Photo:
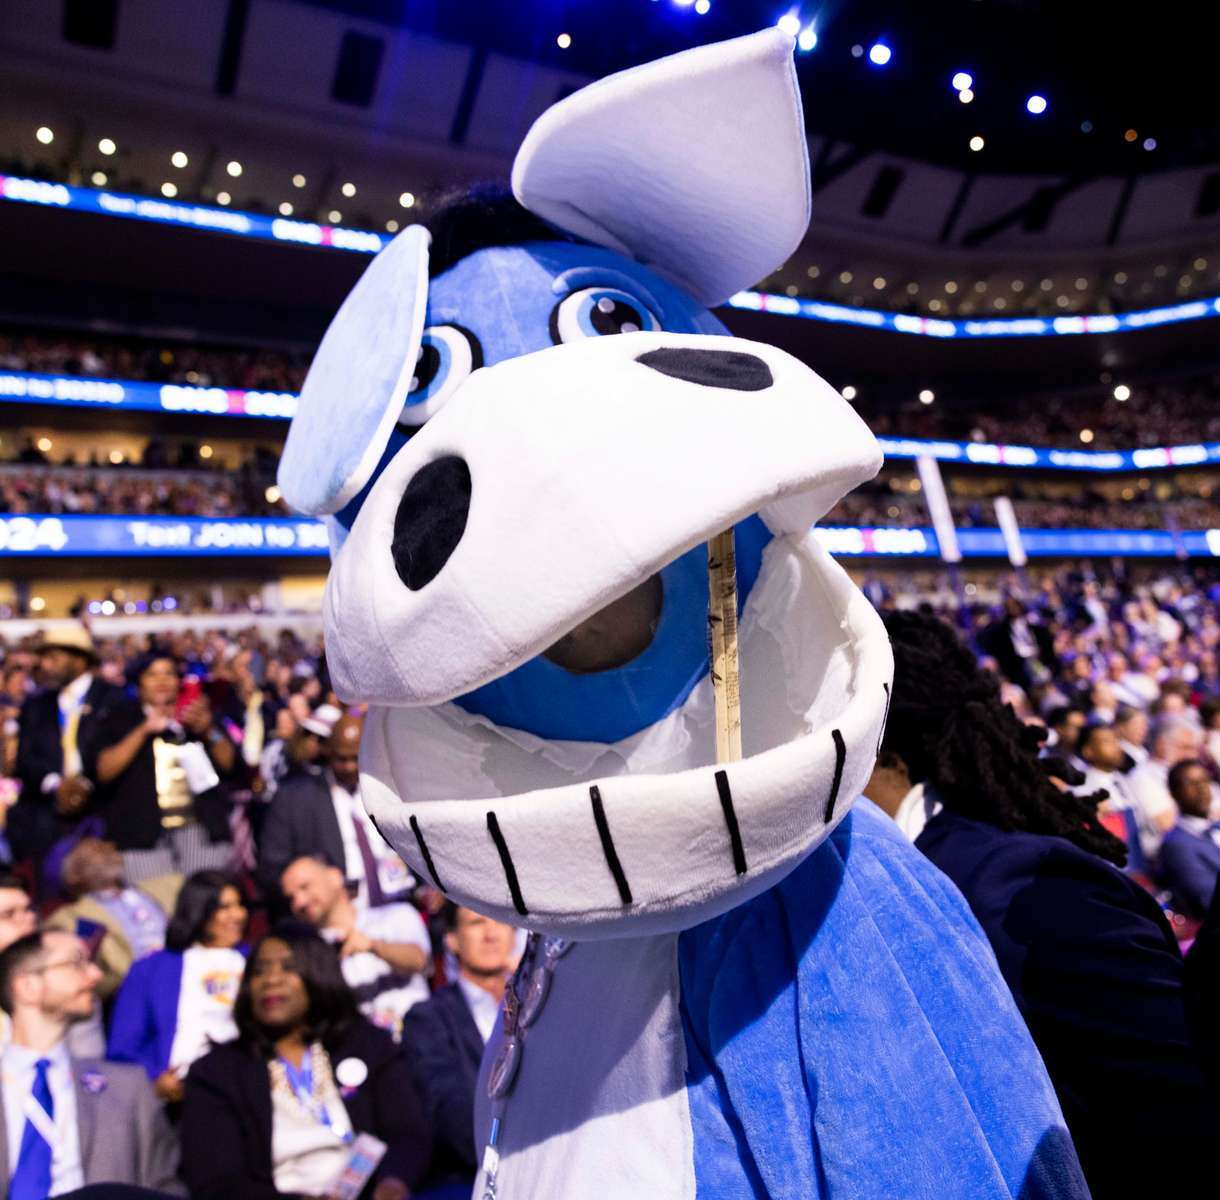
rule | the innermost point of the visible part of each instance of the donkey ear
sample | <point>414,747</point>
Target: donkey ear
<point>359,380</point>
<point>695,165</point>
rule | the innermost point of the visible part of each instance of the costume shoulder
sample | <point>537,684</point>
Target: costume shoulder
<point>864,954</point>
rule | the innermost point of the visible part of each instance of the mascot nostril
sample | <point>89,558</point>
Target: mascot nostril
<point>711,368</point>
<point>431,519</point>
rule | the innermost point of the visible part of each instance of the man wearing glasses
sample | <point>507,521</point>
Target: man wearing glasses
<point>66,1121</point>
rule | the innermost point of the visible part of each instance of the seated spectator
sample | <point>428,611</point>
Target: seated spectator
<point>385,951</point>
<point>159,764</point>
<point>323,812</point>
<point>1173,740</point>
<point>68,1122</point>
<point>275,1112</point>
<point>1190,853</point>
<point>445,1035</point>
<point>1066,724</point>
<point>1131,725</point>
<point>1102,753</point>
<point>1088,954</point>
<point>123,923</point>
<point>175,1004</point>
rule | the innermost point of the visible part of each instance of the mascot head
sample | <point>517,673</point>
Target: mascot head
<point>522,426</point>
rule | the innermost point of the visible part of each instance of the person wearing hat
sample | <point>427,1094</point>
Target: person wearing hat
<point>322,813</point>
<point>53,725</point>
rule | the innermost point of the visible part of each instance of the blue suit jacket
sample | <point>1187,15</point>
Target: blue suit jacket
<point>1190,865</point>
<point>1096,973</point>
<point>145,1015</point>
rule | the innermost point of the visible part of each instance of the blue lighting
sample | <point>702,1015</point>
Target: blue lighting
<point>1036,104</point>
<point>808,39</point>
<point>790,23</point>
<point>963,81</point>
<point>703,7</point>
<point>879,54</point>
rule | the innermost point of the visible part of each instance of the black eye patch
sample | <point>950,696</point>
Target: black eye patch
<point>732,369</point>
<point>431,519</point>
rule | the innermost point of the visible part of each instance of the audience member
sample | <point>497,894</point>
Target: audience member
<point>276,1112</point>
<point>1099,748</point>
<point>159,763</point>
<point>1131,725</point>
<point>178,1002</point>
<point>385,951</point>
<point>1090,959</point>
<point>122,923</point>
<point>55,725</point>
<point>68,1122</point>
<point>1173,740</point>
<point>1190,853</point>
<point>444,1039</point>
<point>323,812</point>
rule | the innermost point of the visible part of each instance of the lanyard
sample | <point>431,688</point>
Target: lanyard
<point>301,1081</point>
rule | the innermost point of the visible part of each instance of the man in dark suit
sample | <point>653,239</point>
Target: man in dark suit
<point>67,1122</point>
<point>1190,853</point>
<point>54,724</point>
<point>444,1039</point>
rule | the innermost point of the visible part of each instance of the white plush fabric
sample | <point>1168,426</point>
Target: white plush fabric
<point>815,659</point>
<point>590,471</point>
<point>345,414</point>
<point>696,164</point>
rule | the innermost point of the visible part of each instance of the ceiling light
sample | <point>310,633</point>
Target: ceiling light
<point>912,289</point>
<point>849,392</point>
<point>334,216</point>
<point>391,226</point>
<point>1200,264</point>
<point>976,143</point>
<point>563,41</point>
<point>935,305</point>
<point>107,146</point>
<point>285,209</point>
<point>790,23</point>
<point>814,271</point>
<point>348,189</point>
<point>298,181</point>
<point>1130,135</point>
<point>116,457</point>
<point>879,283</point>
<point>45,135</point>
<point>407,199</point>
<point>1149,143</point>
<point>927,396</point>
<point>205,451</point>
<point>1086,436</point>
<point>1036,105</point>
<point>791,289</point>
<point>879,54</point>
<point>98,178</point>
<point>1081,284</point>
<point>169,190</point>
<point>234,168</point>
<point>272,494</point>
<point>963,81</point>
<point>965,95</point>
<point>703,7</point>
<point>951,287</point>
<point>807,39</point>
<point>179,158</point>
<point>44,444</point>
<point>857,50</point>
<point>845,277</point>
<point>223,198</point>
<point>1122,392</point>
<point>1120,277</point>
<point>1018,285</point>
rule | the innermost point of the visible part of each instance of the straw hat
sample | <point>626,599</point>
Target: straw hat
<point>69,636</point>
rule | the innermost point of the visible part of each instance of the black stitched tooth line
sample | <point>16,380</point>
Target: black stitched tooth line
<point>603,832</point>
<point>730,819</point>
<point>885,716</point>
<point>840,759</point>
<point>423,849</point>
<point>506,860</point>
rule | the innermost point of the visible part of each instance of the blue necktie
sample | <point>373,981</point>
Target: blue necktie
<point>32,1179</point>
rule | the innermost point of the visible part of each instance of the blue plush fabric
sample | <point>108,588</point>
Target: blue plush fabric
<point>849,1036</point>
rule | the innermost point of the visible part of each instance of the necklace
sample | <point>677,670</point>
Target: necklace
<point>524,999</point>
<point>310,1085</point>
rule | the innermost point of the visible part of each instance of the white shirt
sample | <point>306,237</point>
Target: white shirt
<point>17,1079</point>
<point>915,810</point>
<point>1148,786</point>
<point>482,1004</point>
<point>383,996</point>
<point>393,874</point>
<point>210,978</point>
<point>1113,782</point>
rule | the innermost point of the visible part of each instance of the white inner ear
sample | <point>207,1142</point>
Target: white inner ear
<point>696,164</point>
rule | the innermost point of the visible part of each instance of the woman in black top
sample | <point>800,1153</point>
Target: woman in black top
<point>159,763</point>
<point>278,1111</point>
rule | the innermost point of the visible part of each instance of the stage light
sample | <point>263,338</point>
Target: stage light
<point>1130,135</point>
<point>912,289</point>
<point>107,146</point>
<point>116,457</point>
<point>965,95</point>
<point>682,3</point>
<point>1086,436</point>
<point>879,283</point>
<point>879,54</point>
<point>348,189</point>
<point>285,209</point>
<point>857,50</point>
<point>391,226</point>
<point>407,199</point>
<point>792,290</point>
<point>1086,126</point>
<point>272,494</point>
<point>179,158</point>
<point>98,178</point>
<point>205,451</point>
<point>169,190</point>
<point>223,198</point>
<point>1120,277</point>
<point>1036,105</point>
<point>107,608</point>
<point>1122,392</point>
<point>927,396</point>
<point>45,135</point>
<point>1200,264</point>
<point>703,7</point>
<point>298,181</point>
<point>44,444</point>
<point>563,41</point>
<point>814,271</point>
<point>234,168</point>
<point>37,604</point>
<point>1149,143</point>
<point>963,81</point>
<point>790,23</point>
<point>849,392</point>
<point>1081,284</point>
<point>935,305</point>
<point>845,277</point>
<point>334,216</point>
<point>976,143</point>
<point>808,39</point>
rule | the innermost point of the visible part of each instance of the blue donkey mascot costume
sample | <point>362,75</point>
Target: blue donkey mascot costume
<point>522,426</point>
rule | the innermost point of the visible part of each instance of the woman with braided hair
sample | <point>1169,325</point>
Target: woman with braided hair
<point>1089,957</point>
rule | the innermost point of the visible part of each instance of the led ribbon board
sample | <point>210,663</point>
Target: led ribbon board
<point>78,536</point>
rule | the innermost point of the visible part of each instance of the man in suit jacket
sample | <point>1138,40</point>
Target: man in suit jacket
<point>1190,853</point>
<point>444,1039</point>
<point>67,1122</point>
<point>53,725</point>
